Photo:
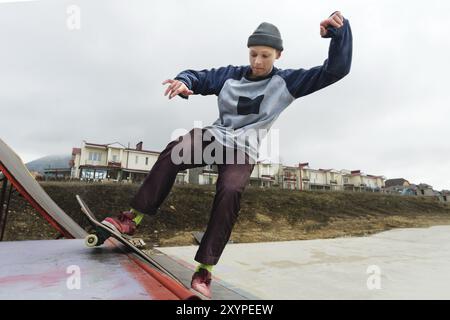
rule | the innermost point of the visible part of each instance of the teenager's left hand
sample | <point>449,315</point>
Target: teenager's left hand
<point>335,20</point>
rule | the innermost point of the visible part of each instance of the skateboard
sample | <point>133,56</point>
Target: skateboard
<point>103,232</point>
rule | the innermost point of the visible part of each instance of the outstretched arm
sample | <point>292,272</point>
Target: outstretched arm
<point>302,82</point>
<point>204,82</point>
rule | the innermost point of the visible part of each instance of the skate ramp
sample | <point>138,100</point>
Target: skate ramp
<point>16,172</point>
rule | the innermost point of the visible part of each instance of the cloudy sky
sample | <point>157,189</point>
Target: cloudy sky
<point>102,82</point>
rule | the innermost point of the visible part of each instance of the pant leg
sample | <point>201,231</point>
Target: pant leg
<point>159,181</point>
<point>231,183</point>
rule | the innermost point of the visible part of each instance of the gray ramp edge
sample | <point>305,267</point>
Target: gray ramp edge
<point>12,162</point>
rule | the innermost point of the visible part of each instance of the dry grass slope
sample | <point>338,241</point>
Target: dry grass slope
<point>266,214</point>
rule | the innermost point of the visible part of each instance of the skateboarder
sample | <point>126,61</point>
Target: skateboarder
<point>250,98</point>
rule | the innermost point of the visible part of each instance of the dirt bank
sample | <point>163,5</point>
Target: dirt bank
<point>266,214</point>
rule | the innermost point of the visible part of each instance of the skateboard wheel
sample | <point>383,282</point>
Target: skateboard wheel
<point>91,240</point>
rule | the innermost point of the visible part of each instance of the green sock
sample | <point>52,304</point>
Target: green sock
<point>208,267</point>
<point>137,216</point>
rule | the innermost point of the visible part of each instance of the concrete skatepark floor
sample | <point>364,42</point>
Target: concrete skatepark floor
<point>396,264</point>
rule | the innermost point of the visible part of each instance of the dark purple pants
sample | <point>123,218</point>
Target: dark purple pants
<point>230,185</point>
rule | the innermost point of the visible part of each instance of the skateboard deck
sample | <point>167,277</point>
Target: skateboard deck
<point>103,232</point>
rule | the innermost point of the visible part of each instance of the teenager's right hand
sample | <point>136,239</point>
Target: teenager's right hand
<point>175,88</point>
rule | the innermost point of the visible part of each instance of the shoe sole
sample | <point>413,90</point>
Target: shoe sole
<point>111,226</point>
<point>201,295</point>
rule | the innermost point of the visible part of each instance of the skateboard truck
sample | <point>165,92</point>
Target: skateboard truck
<point>96,239</point>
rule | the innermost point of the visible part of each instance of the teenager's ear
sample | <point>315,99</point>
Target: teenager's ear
<point>278,54</point>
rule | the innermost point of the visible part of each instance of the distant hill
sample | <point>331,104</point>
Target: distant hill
<point>55,161</point>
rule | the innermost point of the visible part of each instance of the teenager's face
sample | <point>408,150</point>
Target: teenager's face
<point>262,59</point>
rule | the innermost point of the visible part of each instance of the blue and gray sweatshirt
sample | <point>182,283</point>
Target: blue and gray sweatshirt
<point>248,107</point>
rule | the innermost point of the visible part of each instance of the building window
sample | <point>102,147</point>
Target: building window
<point>114,158</point>
<point>136,161</point>
<point>94,156</point>
<point>88,174</point>
<point>146,161</point>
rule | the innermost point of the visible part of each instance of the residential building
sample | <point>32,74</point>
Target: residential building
<point>400,186</point>
<point>355,180</point>
<point>57,174</point>
<point>266,174</point>
<point>114,162</point>
<point>425,190</point>
<point>305,178</point>
<point>444,196</point>
<point>399,182</point>
<point>204,175</point>
<point>290,178</point>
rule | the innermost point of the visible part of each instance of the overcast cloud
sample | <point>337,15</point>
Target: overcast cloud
<point>102,83</point>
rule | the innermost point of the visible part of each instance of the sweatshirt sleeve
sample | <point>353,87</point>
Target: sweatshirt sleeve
<point>207,82</point>
<point>301,82</point>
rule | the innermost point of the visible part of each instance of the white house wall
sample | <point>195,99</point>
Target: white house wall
<point>318,177</point>
<point>115,152</point>
<point>85,156</point>
<point>255,172</point>
<point>370,182</point>
<point>355,180</point>
<point>77,165</point>
<point>141,163</point>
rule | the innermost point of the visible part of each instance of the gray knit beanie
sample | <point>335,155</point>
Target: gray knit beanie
<point>266,35</point>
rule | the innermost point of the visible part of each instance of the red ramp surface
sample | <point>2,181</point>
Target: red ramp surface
<point>42,270</point>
